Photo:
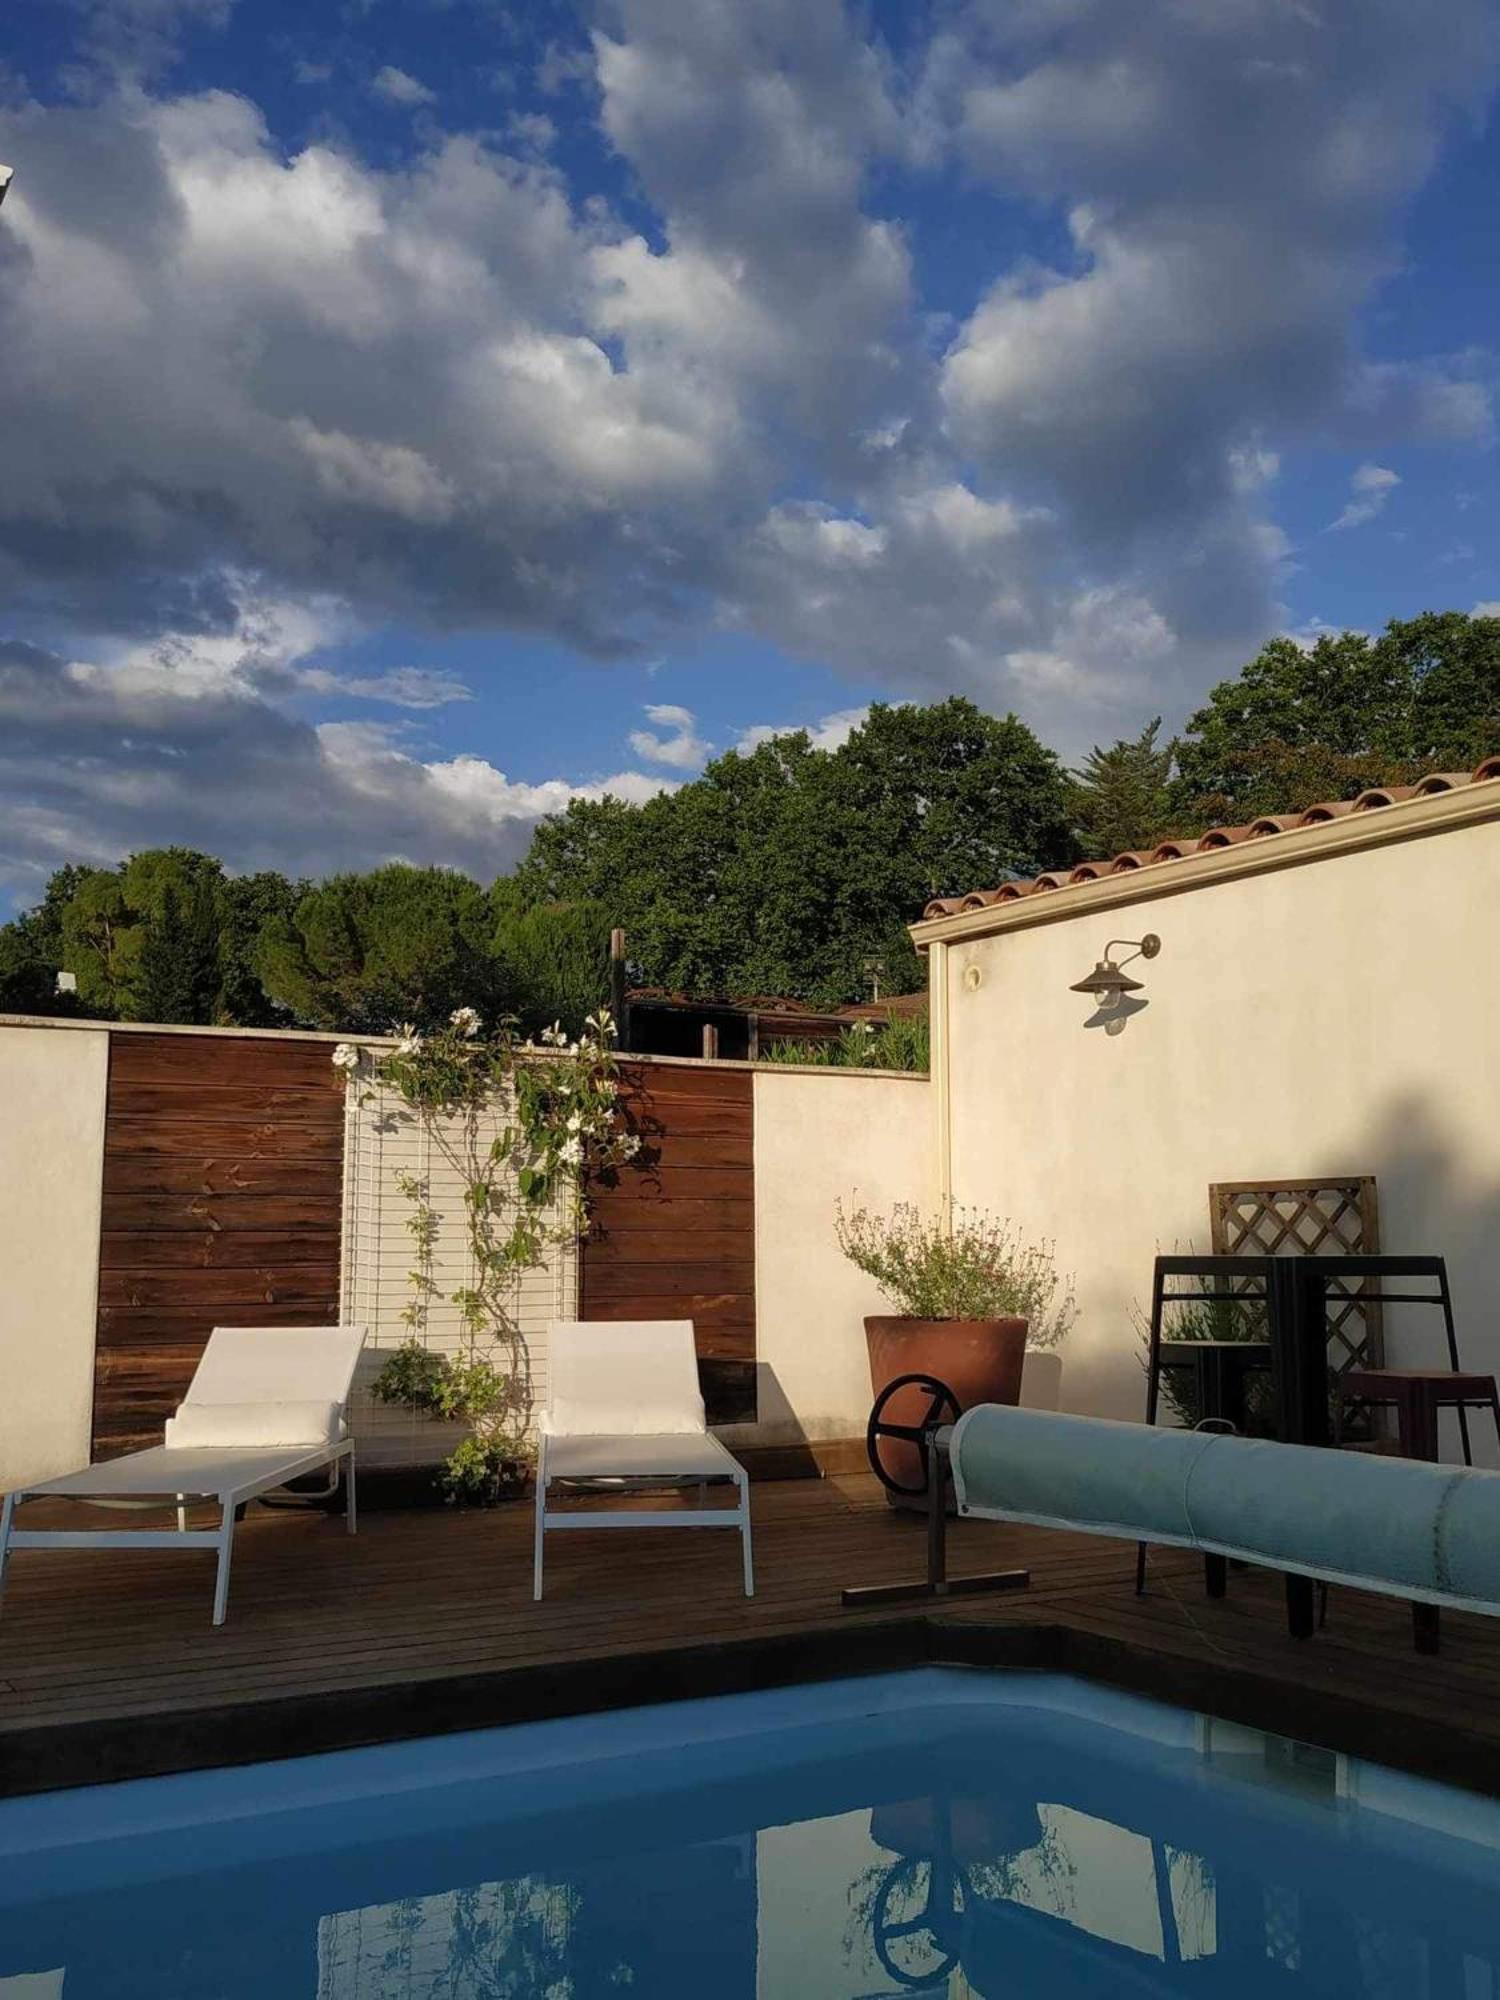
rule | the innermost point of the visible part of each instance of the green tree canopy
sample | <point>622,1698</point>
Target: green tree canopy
<point>1299,724</point>
<point>789,869</point>
<point>1120,798</point>
<point>553,957</point>
<point>361,952</point>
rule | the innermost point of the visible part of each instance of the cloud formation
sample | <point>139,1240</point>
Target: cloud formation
<point>1369,489</point>
<point>461,389</point>
<point>185,742</point>
<point>682,748</point>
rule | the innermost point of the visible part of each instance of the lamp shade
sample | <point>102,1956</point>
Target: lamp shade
<point>1107,981</point>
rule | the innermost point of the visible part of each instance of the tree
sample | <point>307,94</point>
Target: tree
<point>176,977</point>
<point>553,957</point>
<point>1120,798</point>
<point>790,869</point>
<point>248,904</point>
<point>1299,724</point>
<point>362,952</point>
<point>31,951</point>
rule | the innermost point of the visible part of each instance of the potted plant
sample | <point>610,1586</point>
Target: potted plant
<point>971,1296</point>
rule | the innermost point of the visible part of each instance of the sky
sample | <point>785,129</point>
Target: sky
<point>417,413</point>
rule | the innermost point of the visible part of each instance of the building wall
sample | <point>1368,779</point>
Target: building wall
<point>1337,1016</point>
<point>820,1137</point>
<point>52,1089</point>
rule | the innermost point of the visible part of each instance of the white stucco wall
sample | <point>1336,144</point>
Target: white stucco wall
<point>819,1137</point>
<point>1336,1017</point>
<point>52,1086</point>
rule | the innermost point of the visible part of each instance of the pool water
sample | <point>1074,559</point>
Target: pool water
<point>1017,1837</point>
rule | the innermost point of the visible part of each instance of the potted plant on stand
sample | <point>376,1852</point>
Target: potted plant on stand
<point>971,1296</point>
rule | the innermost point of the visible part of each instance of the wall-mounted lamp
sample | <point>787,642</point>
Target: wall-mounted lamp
<point>1107,983</point>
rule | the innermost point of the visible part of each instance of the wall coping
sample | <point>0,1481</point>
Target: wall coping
<point>1412,819</point>
<point>327,1036</point>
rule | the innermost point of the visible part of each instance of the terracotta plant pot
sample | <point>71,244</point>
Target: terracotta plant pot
<point>980,1360</point>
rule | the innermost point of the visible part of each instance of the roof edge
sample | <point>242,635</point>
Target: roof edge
<point>1409,819</point>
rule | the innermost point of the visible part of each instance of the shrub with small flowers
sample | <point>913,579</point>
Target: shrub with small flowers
<point>523,1193</point>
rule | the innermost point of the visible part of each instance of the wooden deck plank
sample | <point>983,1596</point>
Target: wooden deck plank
<point>424,1621</point>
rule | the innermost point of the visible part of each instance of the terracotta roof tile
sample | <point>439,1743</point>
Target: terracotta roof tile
<point>1217,838</point>
<point>1325,810</point>
<point>1383,795</point>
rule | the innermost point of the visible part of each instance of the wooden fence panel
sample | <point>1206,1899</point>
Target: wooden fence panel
<point>223,1164</point>
<point>677,1239</point>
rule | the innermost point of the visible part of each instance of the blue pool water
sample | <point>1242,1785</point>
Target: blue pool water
<point>1016,1837</point>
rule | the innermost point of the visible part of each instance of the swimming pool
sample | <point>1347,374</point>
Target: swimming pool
<point>935,1832</point>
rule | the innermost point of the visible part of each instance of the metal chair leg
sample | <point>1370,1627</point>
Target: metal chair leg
<point>226,1550</point>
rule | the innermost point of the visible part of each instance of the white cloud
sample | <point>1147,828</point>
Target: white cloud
<point>1369,488</point>
<point>399,87</point>
<point>682,749</point>
<point>164,746</point>
<point>1487,607</point>
<point>829,732</point>
<point>463,389</point>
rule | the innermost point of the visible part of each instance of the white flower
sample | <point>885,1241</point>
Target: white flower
<point>867,1027</point>
<point>571,1152</point>
<point>575,1121</point>
<point>466,1020</point>
<point>630,1145</point>
<point>346,1056</point>
<point>410,1043</point>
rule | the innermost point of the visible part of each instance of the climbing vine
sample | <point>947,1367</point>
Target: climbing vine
<point>523,1193</point>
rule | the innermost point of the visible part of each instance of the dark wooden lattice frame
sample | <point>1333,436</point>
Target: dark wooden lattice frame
<point>1323,1218</point>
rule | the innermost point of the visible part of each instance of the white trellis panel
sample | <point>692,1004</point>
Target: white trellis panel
<point>383,1139</point>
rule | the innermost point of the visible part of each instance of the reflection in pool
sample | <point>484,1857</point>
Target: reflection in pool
<point>930,1833</point>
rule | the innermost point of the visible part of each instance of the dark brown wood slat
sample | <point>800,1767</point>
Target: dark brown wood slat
<point>154,1218</point>
<point>707,1239</point>
<point>242,1138</point>
<point>660,1082</point>
<point>267,1284</point>
<point>321,1102</point>
<point>165,1251</point>
<point>663,1151</point>
<point>721,1275</point>
<point>217,1173</point>
<point>615,1213</point>
<point>218,1059</point>
<point>662,1181</point>
<point>178,1325</point>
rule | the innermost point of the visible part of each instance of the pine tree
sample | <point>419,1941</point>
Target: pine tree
<point>1120,799</point>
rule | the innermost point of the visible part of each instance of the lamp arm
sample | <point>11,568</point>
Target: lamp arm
<point>1144,947</point>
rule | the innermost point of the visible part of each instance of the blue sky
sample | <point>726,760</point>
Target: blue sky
<point>421,411</point>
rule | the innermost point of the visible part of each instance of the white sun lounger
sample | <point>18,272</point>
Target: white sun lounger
<point>624,1406</point>
<point>267,1405</point>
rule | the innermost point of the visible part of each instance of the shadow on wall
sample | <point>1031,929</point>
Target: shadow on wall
<point>1439,1194</point>
<point>1115,1019</point>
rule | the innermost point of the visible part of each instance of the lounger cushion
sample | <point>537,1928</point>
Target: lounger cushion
<point>669,1456</point>
<point>623,1378</point>
<point>240,1426</point>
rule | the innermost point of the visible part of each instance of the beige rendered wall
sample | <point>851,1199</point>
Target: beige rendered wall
<point>1339,1017</point>
<point>52,1086</point>
<point>822,1136</point>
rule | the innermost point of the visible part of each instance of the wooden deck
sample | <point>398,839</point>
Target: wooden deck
<point>424,1623</point>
